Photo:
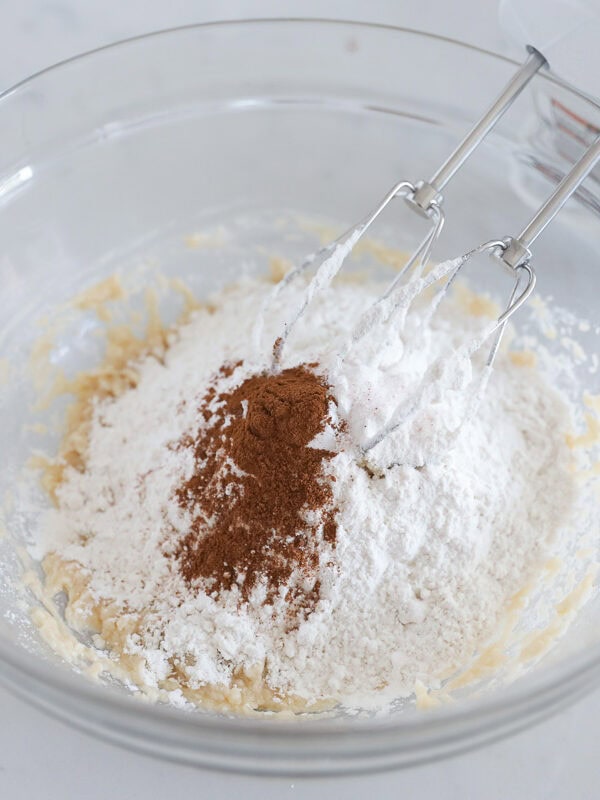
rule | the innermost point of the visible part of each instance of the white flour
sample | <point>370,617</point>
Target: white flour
<point>428,551</point>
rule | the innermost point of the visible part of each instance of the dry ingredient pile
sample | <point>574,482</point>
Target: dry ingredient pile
<point>255,483</point>
<point>230,541</point>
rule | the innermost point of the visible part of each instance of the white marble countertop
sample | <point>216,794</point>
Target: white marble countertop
<point>40,757</point>
<point>36,33</point>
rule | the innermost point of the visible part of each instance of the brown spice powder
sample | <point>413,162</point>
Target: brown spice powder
<point>252,525</point>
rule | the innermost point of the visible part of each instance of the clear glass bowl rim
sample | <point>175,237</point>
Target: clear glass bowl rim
<point>532,698</point>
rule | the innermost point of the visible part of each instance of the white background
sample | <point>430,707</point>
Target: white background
<point>42,758</point>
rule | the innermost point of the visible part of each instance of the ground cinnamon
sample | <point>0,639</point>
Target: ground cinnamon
<point>255,482</point>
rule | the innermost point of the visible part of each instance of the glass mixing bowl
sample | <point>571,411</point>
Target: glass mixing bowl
<point>109,160</point>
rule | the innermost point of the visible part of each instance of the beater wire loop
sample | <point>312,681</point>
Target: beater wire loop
<point>328,261</point>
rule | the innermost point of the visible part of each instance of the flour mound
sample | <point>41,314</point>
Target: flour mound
<point>432,540</point>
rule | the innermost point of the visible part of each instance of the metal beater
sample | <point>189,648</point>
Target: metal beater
<point>425,198</point>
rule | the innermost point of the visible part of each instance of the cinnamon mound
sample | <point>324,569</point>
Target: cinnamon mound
<point>260,502</point>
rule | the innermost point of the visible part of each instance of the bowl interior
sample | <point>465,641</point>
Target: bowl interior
<point>202,153</point>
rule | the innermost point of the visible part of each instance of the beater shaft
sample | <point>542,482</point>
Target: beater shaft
<point>429,191</point>
<point>515,252</point>
<point>517,248</point>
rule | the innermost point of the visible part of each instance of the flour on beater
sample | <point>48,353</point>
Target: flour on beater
<point>386,378</point>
